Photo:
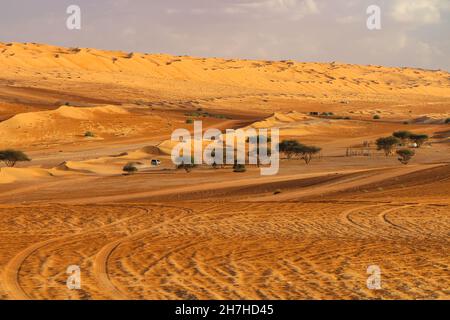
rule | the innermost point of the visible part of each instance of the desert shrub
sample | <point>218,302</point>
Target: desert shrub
<point>402,135</point>
<point>11,157</point>
<point>288,147</point>
<point>114,59</point>
<point>405,155</point>
<point>130,168</point>
<point>405,122</point>
<point>189,121</point>
<point>239,168</point>
<point>278,191</point>
<point>89,134</point>
<point>447,120</point>
<point>187,165</point>
<point>293,147</point>
<point>419,139</point>
<point>129,55</point>
<point>74,50</point>
<point>387,144</point>
<point>306,152</point>
<point>376,117</point>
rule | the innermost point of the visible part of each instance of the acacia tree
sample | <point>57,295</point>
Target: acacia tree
<point>387,144</point>
<point>288,147</point>
<point>11,157</point>
<point>402,135</point>
<point>405,155</point>
<point>306,152</point>
<point>419,139</point>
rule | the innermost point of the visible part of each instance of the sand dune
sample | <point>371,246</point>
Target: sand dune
<point>33,71</point>
<point>69,124</point>
<point>309,232</point>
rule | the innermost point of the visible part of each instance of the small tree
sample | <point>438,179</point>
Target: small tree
<point>419,139</point>
<point>130,168</point>
<point>11,157</point>
<point>89,134</point>
<point>405,155</point>
<point>306,152</point>
<point>288,147</point>
<point>387,144</point>
<point>402,135</point>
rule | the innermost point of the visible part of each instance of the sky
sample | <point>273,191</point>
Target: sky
<point>413,33</point>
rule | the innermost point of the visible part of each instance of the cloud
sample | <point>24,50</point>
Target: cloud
<point>293,9</point>
<point>414,32</point>
<point>348,19</point>
<point>419,11</point>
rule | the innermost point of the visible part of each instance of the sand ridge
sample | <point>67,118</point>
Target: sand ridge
<point>309,232</point>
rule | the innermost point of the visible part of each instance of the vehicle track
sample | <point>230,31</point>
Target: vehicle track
<point>100,264</point>
<point>346,217</point>
<point>383,216</point>
<point>11,272</point>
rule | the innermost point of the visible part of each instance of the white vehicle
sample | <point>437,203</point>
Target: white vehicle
<point>156,162</point>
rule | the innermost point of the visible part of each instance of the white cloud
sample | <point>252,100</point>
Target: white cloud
<point>419,11</point>
<point>293,9</point>
<point>348,19</point>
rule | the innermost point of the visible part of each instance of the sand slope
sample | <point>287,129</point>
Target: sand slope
<point>309,232</point>
<point>32,72</point>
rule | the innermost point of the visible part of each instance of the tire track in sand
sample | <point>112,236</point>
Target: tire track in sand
<point>100,264</point>
<point>346,217</point>
<point>11,272</point>
<point>384,219</point>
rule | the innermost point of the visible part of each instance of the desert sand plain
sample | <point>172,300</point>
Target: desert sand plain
<point>309,232</point>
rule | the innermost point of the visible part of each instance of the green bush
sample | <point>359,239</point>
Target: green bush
<point>405,155</point>
<point>240,168</point>
<point>189,121</point>
<point>130,168</point>
<point>89,134</point>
